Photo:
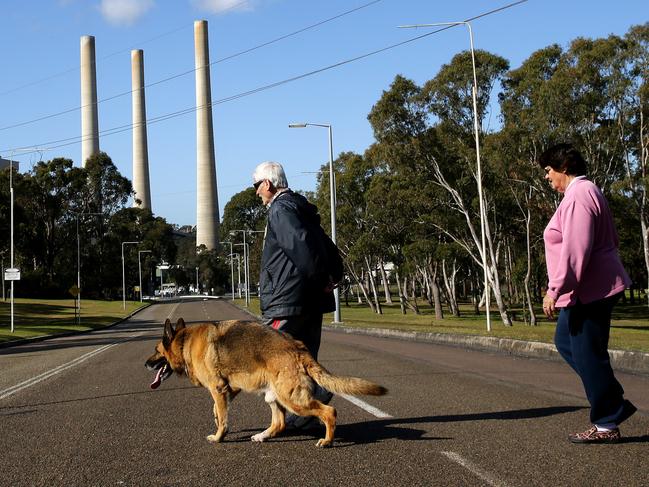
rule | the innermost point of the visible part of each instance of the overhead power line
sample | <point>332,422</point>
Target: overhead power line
<point>185,73</point>
<point>115,130</point>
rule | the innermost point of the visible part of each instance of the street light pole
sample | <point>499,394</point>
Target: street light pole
<point>332,200</point>
<point>245,272</point>
<point>246,265</point>
<point>124,275</point>
<point>245,268</point>
<point>76,215</point>
<point>238,274</point>
<point>247,248</point>
<point>11,198</point>
<point>139,268</point>
<point>483,250</point>
<point>231,269</point>
<point>2,276</point>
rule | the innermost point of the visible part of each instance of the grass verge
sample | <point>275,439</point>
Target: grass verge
<point>629,327</point>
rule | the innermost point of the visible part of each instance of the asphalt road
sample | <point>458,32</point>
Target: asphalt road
<point>78,411</point>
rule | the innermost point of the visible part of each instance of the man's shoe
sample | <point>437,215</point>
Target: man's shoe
<point>323,395</point>
<point>295,422</point>
<point>594,436</point>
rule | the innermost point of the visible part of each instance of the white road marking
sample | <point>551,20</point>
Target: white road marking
<point>365,406</point>
<point>173,310</point>
<point>9,391</point>
<point>474,469</point>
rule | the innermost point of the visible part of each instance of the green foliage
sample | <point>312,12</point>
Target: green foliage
<point>65,215</point>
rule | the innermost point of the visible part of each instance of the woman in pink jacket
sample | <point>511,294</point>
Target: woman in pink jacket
<point>586,278</point>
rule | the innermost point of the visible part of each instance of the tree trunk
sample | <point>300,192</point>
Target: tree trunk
<point>474,297</point>
<point>509,265</point>
<point>386,283</point>
<point>372,281</point>
<point>449,284</point>
<point>402,299</point>
<point>436,298</point>
<point>644,228</point>
<point>474,245</point>
<point>414,293</point>
<point>493,278</point>
<point>404,296</point>
<point>359,283</point>
<point>528,272</point>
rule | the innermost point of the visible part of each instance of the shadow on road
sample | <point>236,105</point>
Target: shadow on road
<point>91,398</point>
<point>635,439</point>
<point>372,431</point>
<point>396,428</point>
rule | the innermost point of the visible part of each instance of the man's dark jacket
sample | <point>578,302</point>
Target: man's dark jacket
<point>293,272</point>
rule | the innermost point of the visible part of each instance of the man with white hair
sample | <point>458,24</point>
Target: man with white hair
<point>295,288</point>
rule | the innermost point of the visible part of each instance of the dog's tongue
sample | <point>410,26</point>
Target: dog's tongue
<point>157,381</point>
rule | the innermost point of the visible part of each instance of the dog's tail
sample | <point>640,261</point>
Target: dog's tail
<point>341,385</point>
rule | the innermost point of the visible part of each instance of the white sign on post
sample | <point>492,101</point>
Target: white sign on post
<point>12,274</point>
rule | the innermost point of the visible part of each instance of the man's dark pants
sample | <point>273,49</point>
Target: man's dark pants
<point>306,327</point>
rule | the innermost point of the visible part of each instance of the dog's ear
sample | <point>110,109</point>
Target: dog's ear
<point>168,335</point>
<point>180,324</point>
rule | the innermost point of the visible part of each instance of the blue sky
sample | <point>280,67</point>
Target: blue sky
<point>40,75</point>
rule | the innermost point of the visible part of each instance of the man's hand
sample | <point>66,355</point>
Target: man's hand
<point>548,306</point>
<point>330,286</point>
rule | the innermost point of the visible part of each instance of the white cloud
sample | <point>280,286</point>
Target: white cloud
<point>220,6</point>
<point>124,12</point>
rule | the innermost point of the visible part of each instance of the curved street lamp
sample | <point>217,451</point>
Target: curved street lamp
<point>139,268</point>
<point>332,198</point>
<point>483,250</point>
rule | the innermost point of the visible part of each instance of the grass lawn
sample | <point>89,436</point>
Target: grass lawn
<point>629,330</point>
<point>37,317</point>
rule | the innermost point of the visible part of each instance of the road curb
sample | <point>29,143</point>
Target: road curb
<point>622,360</point>
<point>25,341</point>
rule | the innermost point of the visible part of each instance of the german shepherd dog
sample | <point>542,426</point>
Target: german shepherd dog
<point>232,356</point>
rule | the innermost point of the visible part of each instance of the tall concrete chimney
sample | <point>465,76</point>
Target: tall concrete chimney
<point>89,119</point>
<point>141,184</point>
<point>207,204</point>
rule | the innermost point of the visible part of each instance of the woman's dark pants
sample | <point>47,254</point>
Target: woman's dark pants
<point>581,338</point>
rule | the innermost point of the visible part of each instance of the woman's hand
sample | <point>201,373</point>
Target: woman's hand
<point>548,306</point>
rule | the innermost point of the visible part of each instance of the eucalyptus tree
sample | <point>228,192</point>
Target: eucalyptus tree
<point>590,94</point>
<point>633,128</point>
<point>449,100</point>
<point>49,189</point>
<point>357,233</point>
<point>106,190</point>
<point>427,134</point>
<point>403,198</point>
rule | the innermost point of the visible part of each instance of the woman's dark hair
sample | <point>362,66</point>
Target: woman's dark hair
<point>564,158</point>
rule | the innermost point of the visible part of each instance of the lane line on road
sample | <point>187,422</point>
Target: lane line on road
<point>173,310</point>
<point>474,469</point>
<point>9,391</point>
<point>365,406</point>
